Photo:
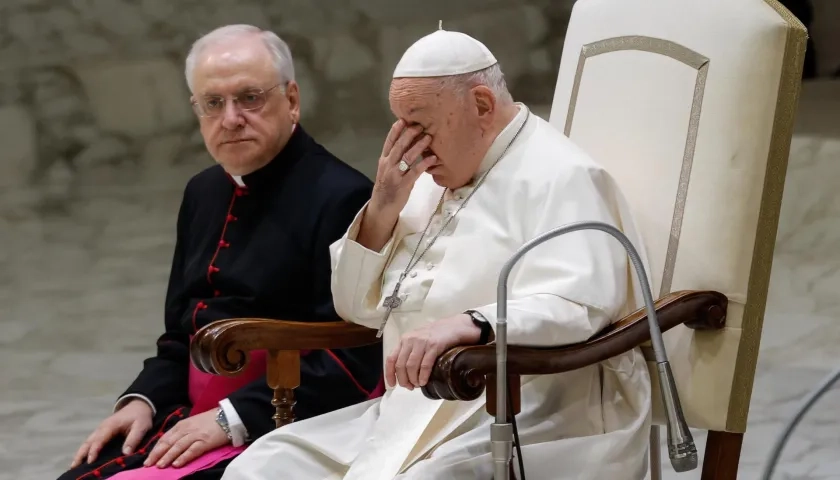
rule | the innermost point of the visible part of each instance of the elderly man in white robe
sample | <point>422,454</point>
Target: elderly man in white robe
<point>466,177</point>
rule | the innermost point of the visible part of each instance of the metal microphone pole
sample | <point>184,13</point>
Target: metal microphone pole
<point>681,448</point>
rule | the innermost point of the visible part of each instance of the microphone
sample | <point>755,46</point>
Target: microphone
<point>681,448</point>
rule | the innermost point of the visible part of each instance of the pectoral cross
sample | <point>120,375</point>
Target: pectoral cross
<point>391,302</point>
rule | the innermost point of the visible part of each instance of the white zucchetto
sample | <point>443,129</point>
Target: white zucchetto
<point>444,53</point>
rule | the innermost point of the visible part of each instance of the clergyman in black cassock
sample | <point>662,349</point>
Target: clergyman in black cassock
<point>256,250</point>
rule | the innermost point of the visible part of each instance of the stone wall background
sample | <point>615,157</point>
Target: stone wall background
<point>826,34</point>
<point>94,89</point>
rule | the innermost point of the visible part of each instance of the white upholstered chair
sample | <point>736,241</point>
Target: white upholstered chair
<point>690,105</point>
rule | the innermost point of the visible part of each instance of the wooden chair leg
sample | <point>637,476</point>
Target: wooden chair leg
<point>283,376</point>
<point>723,451</point>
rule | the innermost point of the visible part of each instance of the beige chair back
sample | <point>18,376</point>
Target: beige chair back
<point>690,105</point>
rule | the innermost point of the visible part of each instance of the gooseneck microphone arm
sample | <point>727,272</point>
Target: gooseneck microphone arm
<point>681,448</point>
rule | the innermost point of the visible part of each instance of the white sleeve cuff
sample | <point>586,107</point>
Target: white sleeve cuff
<point>237,428</point>
<point>123,401</point>
<point>357,275</point>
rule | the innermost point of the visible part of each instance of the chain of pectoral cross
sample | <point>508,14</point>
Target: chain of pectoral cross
<point>393,300</point>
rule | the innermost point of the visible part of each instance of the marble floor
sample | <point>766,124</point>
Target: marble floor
<point>84,262</point>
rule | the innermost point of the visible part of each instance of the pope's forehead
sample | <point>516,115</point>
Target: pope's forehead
<point>414,94</point>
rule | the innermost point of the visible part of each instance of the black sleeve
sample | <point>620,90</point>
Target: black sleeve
<point>337,218</point>
<point>325,383</point>
<point>164,378</point>
<point>363,364</point>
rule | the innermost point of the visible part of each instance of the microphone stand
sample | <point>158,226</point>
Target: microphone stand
<point>681,448</point>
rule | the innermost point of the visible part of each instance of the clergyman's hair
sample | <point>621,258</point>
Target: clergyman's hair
<point>491,77</point>
<point>280,53</point>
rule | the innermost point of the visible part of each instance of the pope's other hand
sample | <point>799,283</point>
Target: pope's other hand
<point>411,361</point>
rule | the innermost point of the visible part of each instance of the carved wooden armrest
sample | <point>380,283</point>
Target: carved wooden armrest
<point>223,348</point>
<point>461,373</point>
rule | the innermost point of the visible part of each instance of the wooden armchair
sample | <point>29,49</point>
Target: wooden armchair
<point>223,348</point>
<point>690,106</point>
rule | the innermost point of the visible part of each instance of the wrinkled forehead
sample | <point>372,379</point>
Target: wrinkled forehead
<point>416,99</point>
<point>233,67</point>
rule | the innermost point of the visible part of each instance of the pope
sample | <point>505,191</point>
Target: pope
<point>465,178</point>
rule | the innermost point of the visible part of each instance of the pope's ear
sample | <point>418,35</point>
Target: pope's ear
<point>485,104</point>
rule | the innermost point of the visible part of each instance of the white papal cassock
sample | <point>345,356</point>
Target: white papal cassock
<point>587,424</point>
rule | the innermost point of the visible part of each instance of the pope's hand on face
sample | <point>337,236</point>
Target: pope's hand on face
<point>411,361</point>
<point>392,185</point>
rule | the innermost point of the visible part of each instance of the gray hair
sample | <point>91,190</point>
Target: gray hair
<point>281,55</point>
<point>491,77</point>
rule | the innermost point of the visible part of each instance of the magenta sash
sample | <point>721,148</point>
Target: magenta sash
<point>205,392</point>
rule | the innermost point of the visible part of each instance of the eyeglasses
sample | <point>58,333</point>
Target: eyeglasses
<point>250,99</point>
